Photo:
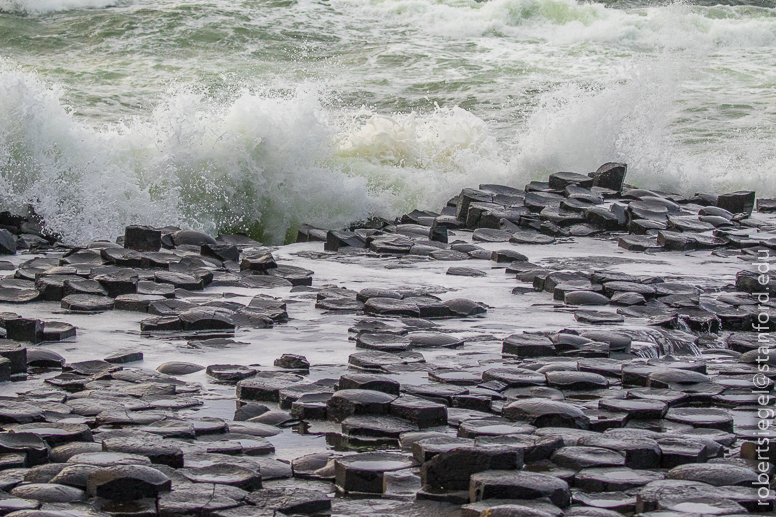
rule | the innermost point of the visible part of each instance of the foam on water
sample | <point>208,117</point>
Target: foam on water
<point>635,120</point>
<point>568,21</point>
<point>216,165</point>
<point>47,6</point>
<point>681,93</point>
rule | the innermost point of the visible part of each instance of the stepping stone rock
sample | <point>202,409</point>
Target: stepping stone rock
<point>519,485</point>
<point>162,452</point>
<point>49,493</point>
<point>701,506</point>
<point>576,380</point>
<point>528,345</point>
<point>561,180</point>
<point>707,418</point>
<point>741,202</point>
<point>579,458</point>
<point>463,308</point>
<point>640,453</point>
<point>425,449</point>
<point>345,403</point>
<point>18,296</point>
<point>421,412</point>
<point>640,409</point>
<point>465,271</point>
<point>433,340</point>
<point>87,303</point>
<point>206,319</point>
<point>142,238</point>
<point>355,381</point>
<point>230,372</point>
<point>382,341</point>
<point>597,317</point>
<point>514,377</point>
<point>266,386</point>
<point>127,483</point>
<point>610,176</point>
<point>33,449</point>
<point>225,474</point>
<point>24,329</point>
<point>449,255</point>
<point>44,358</point>
<point>178,368</point>
<point>614,479</point>
<point>507,256</point>
<point>585,298</point>
<point>546,413</point>
<point>452,469</point>
<point>491,235</point>
<point>716,474</point>
<point>678,450</point>
<point>108,459</point>
<point>391,307</point>
<point>291,501</point>
<point>188,500</point>
<point>492,426</point>
<point>363,473</point>
<point>55,433</point>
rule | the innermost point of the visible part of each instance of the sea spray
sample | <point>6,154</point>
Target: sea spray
<point>330,113</point>
<point>257,163</point>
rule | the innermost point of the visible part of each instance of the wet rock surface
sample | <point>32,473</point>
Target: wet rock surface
<point>359,372</point>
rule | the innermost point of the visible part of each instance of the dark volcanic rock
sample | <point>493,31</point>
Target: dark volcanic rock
<point>519,485</point>
<point>461,307</point>
<point>345,403</point>
<point>391,307</point>
<point>546,413</point>
<point>354,381</point>
<point>191,238</point>
<point>561,180</point>
<point>49,493</point>
<point>610,176</point>
<point>225,474</point>
<point>290,501</point>
<point>422,412</point>
<point>364,472</point>
<point>7,243</point>
<point>452,469</point>
<point>127,483</point>
<point>640,453</point>
<point>528,345</point>
<point>578,458</point>
<point>142,238</point>
<point>740,202</point>
<point>159,451</point>
<point>714,474</point>
<point>87,303</point>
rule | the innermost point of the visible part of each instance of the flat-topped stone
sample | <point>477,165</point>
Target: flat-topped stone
<point>519,485</point>
<point>546,413</point>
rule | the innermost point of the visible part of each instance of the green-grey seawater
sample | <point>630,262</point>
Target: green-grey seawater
<point>261,115</point>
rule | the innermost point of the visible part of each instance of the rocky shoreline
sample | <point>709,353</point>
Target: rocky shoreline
<point>578,347</point>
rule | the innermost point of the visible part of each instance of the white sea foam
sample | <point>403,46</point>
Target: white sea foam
<point>569,21</point>
<point>47,6</point>
<point>646,86</point>
<point>209,165</point>
<point>635,120</point>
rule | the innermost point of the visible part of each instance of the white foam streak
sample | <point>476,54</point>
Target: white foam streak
<point>568,22</point>
<point>257,162</point>
<point>634,121</point>
<point>47,6</point>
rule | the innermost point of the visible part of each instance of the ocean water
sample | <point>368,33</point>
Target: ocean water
<point>260,115</point>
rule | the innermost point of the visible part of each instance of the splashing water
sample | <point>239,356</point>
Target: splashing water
<point>281,114</point>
